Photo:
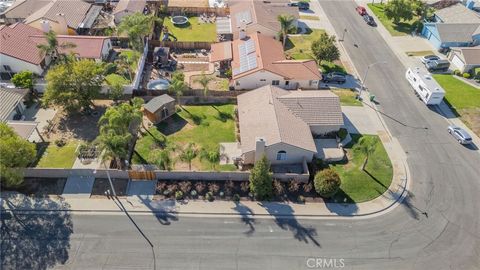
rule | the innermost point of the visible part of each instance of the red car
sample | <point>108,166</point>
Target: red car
<point>361,10</point>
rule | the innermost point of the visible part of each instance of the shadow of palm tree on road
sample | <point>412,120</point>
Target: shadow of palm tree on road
<point>246,216</point>
<point>161,209</point>
<point>285,219</point>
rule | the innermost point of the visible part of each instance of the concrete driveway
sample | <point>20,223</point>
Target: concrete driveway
<point>361,120</point>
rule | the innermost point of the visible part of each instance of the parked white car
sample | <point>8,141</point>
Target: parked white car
<point>428,58</point>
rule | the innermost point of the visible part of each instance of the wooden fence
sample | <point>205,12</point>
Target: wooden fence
<point>181,45</point>
<point>221,12</point>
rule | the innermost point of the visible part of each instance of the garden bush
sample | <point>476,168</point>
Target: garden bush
<point>179,195</point>
<point>213,188</point>
<point>236,198</point>
<point>327,183</point>
<point>457,72</point>
<point>278,187</point>
<point>476,73</point>
<point>209,196</point>
<point>466,75</point>
<point>200,187</point>
<point>301,199</point>
<point>342,133</point>
<point>185,186</point>
<point>60,142</point>
<point>294,186</point>
<point>193,193</point>
<point>307,187</point>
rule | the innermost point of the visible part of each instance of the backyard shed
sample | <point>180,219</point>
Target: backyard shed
<point>159,108</point>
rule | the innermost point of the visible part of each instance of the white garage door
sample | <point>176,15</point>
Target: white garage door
<point>456,61</point>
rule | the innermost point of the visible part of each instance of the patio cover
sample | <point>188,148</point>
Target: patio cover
<point>221,51</point>
<point>224,25</point>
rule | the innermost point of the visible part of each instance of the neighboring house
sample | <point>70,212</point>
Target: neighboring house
<point>127,7</point>
<point>453,26</point>
<point>21,9</point>
<point>19,50</point>
<point>64,17</point>
<point>281,124</point>
<point>159,108</point>
<point>13,106</point>
<point>86,47</point>
<point>465,58</point>
<point>254,16</point>
<point>259,60</point>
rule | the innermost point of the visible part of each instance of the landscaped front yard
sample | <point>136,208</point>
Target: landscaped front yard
<point>59,157</point>
<point>206,126</point>
<point>401,29</point>
<point>363,185</point>
<point>463,98</point>
<point>194,30</point>
<point>347,97</point>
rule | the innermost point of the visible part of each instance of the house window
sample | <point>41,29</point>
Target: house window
<point>275,82</point>
<point>287,83</point>
<point>282,155</point>
<point>7,68</point>
<point>263,80</point>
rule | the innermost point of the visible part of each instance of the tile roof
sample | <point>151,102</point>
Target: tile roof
<point>270,56</point>
<point>74,11</point>
<point>471,55</point>
<point>285,116</point>
<point>263,13</point>
<point>130,6</point>
<point>10,98</point>
<point>16,42</point>
<point>157,102</point>
<point>86,46</point>
<point>457,32</point>
<point>221,51</point>
<point>21,9</point>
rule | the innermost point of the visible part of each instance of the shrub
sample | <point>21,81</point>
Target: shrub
<point>60,142</point>
<point>307,187</point>
<point>221,194</point>
<point>457,72</point>
<point>193,193</point>
<point>179,195</point>
<point>213,188</point>
<point>200,187</point>
<point>172,188</point>
<point>342,133</point>
<point>209,196</point>
<point>327,183</point>
<point>229,187</point>
<point>244,186</point>
<point>185,186</point>
<point>301,199</point>
<point>236,198</point>
<point>166,192</point>
<point>228,73</point>
<point>466,75</point>
<point>293,186</point>
<point>278,188</point>
<point>261,180</point>
<point>476,73</point>
<point>161,186</point>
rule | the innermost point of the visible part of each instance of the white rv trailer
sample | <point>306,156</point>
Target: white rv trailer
<point>425,86</point>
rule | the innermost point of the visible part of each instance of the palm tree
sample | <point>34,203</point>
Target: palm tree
<point>162,158</point>
<point>177,87</point>
<point>188,154</point>
<point>211,156</point>
<point>137,26</point>
<point>286,25</point>
<point>114,146</point>
<point>204,80</point>
<point>52,47</point>
<point>367,146</point>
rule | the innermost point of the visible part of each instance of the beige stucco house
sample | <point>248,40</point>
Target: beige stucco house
<point>465,58</point>
<point>282,124</point>
<point>257,60</point>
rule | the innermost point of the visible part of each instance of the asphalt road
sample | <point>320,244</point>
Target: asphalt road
<point>437,226</point>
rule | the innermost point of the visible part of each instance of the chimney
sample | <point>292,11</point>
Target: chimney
<point>62,22</point>
<point>259,148</point>
<point>45,26</point>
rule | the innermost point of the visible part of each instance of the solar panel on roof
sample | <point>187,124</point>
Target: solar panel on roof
<point>249,46</point>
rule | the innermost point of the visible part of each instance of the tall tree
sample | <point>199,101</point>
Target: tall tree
<point>213,157</point>
<point>261,179</point>
<point>287,26</point>
<point>137,26</point>
<point>188,154</point>
<point>15,154</point>
<point>162,158</point>
<point>23,79</point>
<point>367,146</point>
<point>177,85</point>
<point>398,10</point>
<point>204,80</point>
<point>118,126</point>
<point>73,85</point>
<point>52,48</point>
<point>324,48</point>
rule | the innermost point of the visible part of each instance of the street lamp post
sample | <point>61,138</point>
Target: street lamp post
<point>343,34</point>
<point>362,87</point>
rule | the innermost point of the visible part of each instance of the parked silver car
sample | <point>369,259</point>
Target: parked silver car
<point>460,134</point>
<point>428,58</point>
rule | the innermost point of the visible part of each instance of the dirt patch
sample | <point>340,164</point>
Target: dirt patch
<point>41,186</point>
<point>78,126</point>
<point>216,83</point>
<point>101,185</point>
<point>471,117</point>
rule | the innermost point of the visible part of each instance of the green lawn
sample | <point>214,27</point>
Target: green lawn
<point>298,47</point>
<point>133,57</point>
<point>59,157</point>
<point>192,31</point>
<point>360,186</point>
<point>401,29</point>
<point>347,97</point>
<point>310,17</point>
<point>114,78</point>
<point>463,98</point>
<point>206,126</point>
